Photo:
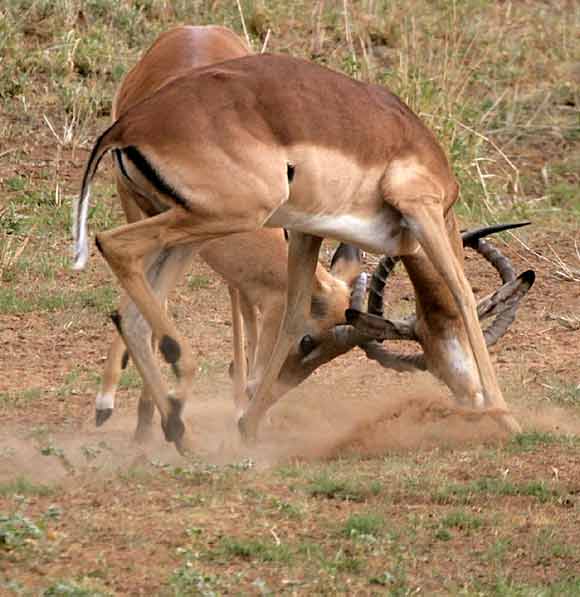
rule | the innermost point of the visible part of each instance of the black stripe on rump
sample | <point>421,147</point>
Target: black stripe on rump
<point>118,157</point>
<point>149,172</point>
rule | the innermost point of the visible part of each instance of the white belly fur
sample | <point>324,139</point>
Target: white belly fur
<point>384,234</point>
<point>333,196</point>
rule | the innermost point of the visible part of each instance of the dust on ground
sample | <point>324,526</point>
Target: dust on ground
<point>355,415</point>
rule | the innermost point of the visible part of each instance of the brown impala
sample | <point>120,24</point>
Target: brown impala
<point>272,141</point>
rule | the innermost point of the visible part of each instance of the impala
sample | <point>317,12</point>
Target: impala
<point>252,264</point>
<point>272,141</point>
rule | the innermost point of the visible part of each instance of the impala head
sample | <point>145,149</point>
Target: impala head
<point>332,295</point>
<point>334,292</point>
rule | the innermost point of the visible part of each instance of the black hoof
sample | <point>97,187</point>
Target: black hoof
<point>173,427</point>
<point>102,415</point>
<point>247,434</point>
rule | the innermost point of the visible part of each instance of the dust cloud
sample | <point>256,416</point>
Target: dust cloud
<point>348,416</point>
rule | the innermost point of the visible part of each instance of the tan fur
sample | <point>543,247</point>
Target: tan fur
<point>220,140</point>
<point>252,264</point>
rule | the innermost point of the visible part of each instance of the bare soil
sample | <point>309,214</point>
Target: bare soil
<point>125,511</point>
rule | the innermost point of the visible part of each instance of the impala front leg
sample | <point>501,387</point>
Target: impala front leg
<point>303,252</point>
<point>427,223</point>
<point>240,364</point>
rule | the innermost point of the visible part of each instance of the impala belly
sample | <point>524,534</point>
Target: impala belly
<point>331,195</point>
<point>382,234</point>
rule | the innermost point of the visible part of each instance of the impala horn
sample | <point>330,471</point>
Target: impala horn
<point>502,304</point>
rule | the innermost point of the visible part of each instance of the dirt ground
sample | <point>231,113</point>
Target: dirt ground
<point>109,488</point>
<point>364,481</point>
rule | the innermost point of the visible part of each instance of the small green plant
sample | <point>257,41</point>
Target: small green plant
<point>16,183</point>
<point>286,508</point>
<point>395,579</point>
<point>130,379</point>
<point>462,520</point>
<point>443,534</point>
<point>335,489</point>
<point>51,450</point>
<point>363,525</point>
<point>17,531</point>
<point>346,563</point>
<point>251,549</point>
<point>23,486</point>
<point>198,281</point>
<point>186,580</point>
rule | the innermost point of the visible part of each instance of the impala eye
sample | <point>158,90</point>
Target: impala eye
<point>307,345</point>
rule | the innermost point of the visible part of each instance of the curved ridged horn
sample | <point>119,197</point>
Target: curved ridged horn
<point>505,309</point>
<point>377,286</point>
<point>502,304</point>
<point>470,238</point>
<point>359,290</point>
<point>474,240</point>
<point>394,360</point>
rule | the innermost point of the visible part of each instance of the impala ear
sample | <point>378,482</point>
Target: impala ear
<point>346,263</point>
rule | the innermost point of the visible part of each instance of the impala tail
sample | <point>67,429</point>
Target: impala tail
<point>107,141</point>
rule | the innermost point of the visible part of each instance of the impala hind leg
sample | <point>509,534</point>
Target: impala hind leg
<point>426,221</point>
<point>303,252</point>
<point>167,270</point>
<point>125,250</point>
<point>117,360</point>
<point>117,357</point>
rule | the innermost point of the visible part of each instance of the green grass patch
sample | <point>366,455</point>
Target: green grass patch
<point>198,281</point>
<point>563,392</point>
<point>130,379</point>
<point>337,489</point>
<point>68,588</point>
<point>252,550</point>
<point>50,298</point>
<point>506,587</point>
<point>453,493</point>
<point>363,525</point>
<point>187,580</point>
<point>20,397</point>
<point>460,520</point>
<point>287,509</point>
<point>532,440</point>
<point>18,531</point>
<point>24,487</point>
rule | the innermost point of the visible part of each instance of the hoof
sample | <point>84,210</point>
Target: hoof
<point>509,423</point>
<point>173,426</point>
<point>143,435</point>
<point>248,432</point>
<point>102,415</point>
<point>185,446</point>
